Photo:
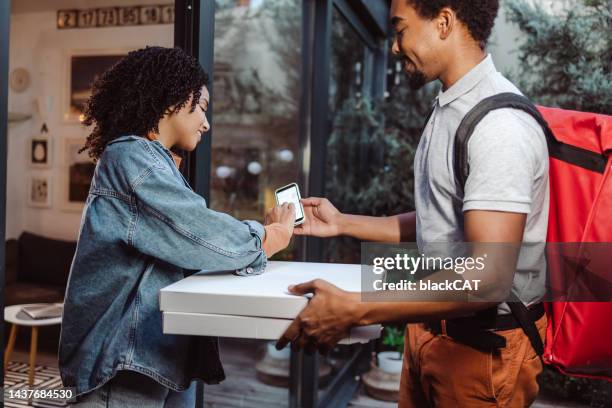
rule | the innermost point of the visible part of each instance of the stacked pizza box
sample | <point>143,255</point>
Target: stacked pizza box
<point>256,307</point>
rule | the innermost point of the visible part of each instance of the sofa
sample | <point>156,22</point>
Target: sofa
<point>37,269</point>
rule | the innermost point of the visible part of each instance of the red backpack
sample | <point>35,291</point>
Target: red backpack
<point>579,334</point>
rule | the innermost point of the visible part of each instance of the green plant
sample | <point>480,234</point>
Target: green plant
<point>370,158</point>
<point>394,337</point>
<point>566,58</point>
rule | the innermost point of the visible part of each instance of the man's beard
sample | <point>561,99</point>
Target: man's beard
<point>416,78</point>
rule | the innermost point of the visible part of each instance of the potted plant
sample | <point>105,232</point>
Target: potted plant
<point>383,380</point>
<point>391,361</point>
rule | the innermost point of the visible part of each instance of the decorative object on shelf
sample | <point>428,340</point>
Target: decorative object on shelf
<point>83,69</point>
<point>76,175</point>
<point>44,106</point>
<point>39,191</point>
<point>14,117</point>
<point>39,152</point>
<point>19,80</point>
<point>115,16</point>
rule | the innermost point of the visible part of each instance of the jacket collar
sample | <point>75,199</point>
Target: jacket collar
<point>175,157</point>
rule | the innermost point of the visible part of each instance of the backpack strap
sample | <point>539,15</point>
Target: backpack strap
<point>476,114</point>
<point>577,156</point>
<point>461,167</point>
<point>521,314</point>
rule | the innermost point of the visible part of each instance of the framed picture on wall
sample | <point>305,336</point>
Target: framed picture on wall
<point>39,152</point>
<point>39,191</point>
<point>83,68</point>
<point>77,172</point>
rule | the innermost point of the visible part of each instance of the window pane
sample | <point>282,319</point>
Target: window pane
<point>371,146</point>
<point>347,54</point>
<point>344,156</point>
<point>256,104</point>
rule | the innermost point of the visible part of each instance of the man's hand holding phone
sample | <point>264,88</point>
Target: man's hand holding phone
<point>322,219</point>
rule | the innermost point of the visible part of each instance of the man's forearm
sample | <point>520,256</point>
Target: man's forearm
<point>424,305</point>
<point>367,313</point>
<point>397,228</point>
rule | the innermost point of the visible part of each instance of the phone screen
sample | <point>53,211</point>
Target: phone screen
<point>291,195</point>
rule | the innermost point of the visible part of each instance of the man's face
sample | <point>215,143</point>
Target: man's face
<point>417,42</point>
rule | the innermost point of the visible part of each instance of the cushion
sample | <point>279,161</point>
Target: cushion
<point>20,293</point>
<point>44,260</point>
<point>11,259</point>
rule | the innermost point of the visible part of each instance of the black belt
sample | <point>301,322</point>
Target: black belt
<point>478,331</point>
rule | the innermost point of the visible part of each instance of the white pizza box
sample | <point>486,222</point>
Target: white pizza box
<point>204,324</point>
<point>262,295</point>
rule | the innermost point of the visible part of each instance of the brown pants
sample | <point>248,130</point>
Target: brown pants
<point>440,372</point>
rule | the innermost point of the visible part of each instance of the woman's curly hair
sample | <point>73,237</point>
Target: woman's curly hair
<point>134,94</point>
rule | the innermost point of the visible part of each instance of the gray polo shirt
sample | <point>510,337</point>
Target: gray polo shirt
<point>508,161</point>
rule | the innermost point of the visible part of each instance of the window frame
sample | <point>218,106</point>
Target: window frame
<point>5,20</point>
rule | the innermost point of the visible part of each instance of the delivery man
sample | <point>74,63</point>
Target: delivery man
<point>505,200</point>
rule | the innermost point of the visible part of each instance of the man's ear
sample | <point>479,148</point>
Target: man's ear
<point>446,21</point>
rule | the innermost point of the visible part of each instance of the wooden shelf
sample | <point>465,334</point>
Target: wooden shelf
<point>14,117</point>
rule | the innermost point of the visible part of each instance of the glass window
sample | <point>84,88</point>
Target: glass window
<point>344,155</point>
<point>372,141</point>
<point>256,104</point>
<point>346,67</point>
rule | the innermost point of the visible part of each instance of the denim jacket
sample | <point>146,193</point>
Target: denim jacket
<point>144,228</point>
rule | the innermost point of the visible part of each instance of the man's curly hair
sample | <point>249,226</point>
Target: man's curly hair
<point>478,15</point>
<point>134,94</point>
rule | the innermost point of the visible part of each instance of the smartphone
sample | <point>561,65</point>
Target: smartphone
<point>291,194</point>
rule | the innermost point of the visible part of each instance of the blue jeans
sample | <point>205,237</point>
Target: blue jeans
<point>129,389</point>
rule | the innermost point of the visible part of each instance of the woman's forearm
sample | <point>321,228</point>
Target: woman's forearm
<point>397,228</point>
<point>276,239</point>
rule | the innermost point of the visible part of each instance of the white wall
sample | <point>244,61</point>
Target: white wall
<point>506,37</point>
<point>36,44</point>
<point>504,42</point>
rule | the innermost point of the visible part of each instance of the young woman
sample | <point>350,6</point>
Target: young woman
<point>144,228</point>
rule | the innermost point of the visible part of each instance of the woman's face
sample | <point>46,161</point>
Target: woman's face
<point>188,127</point>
